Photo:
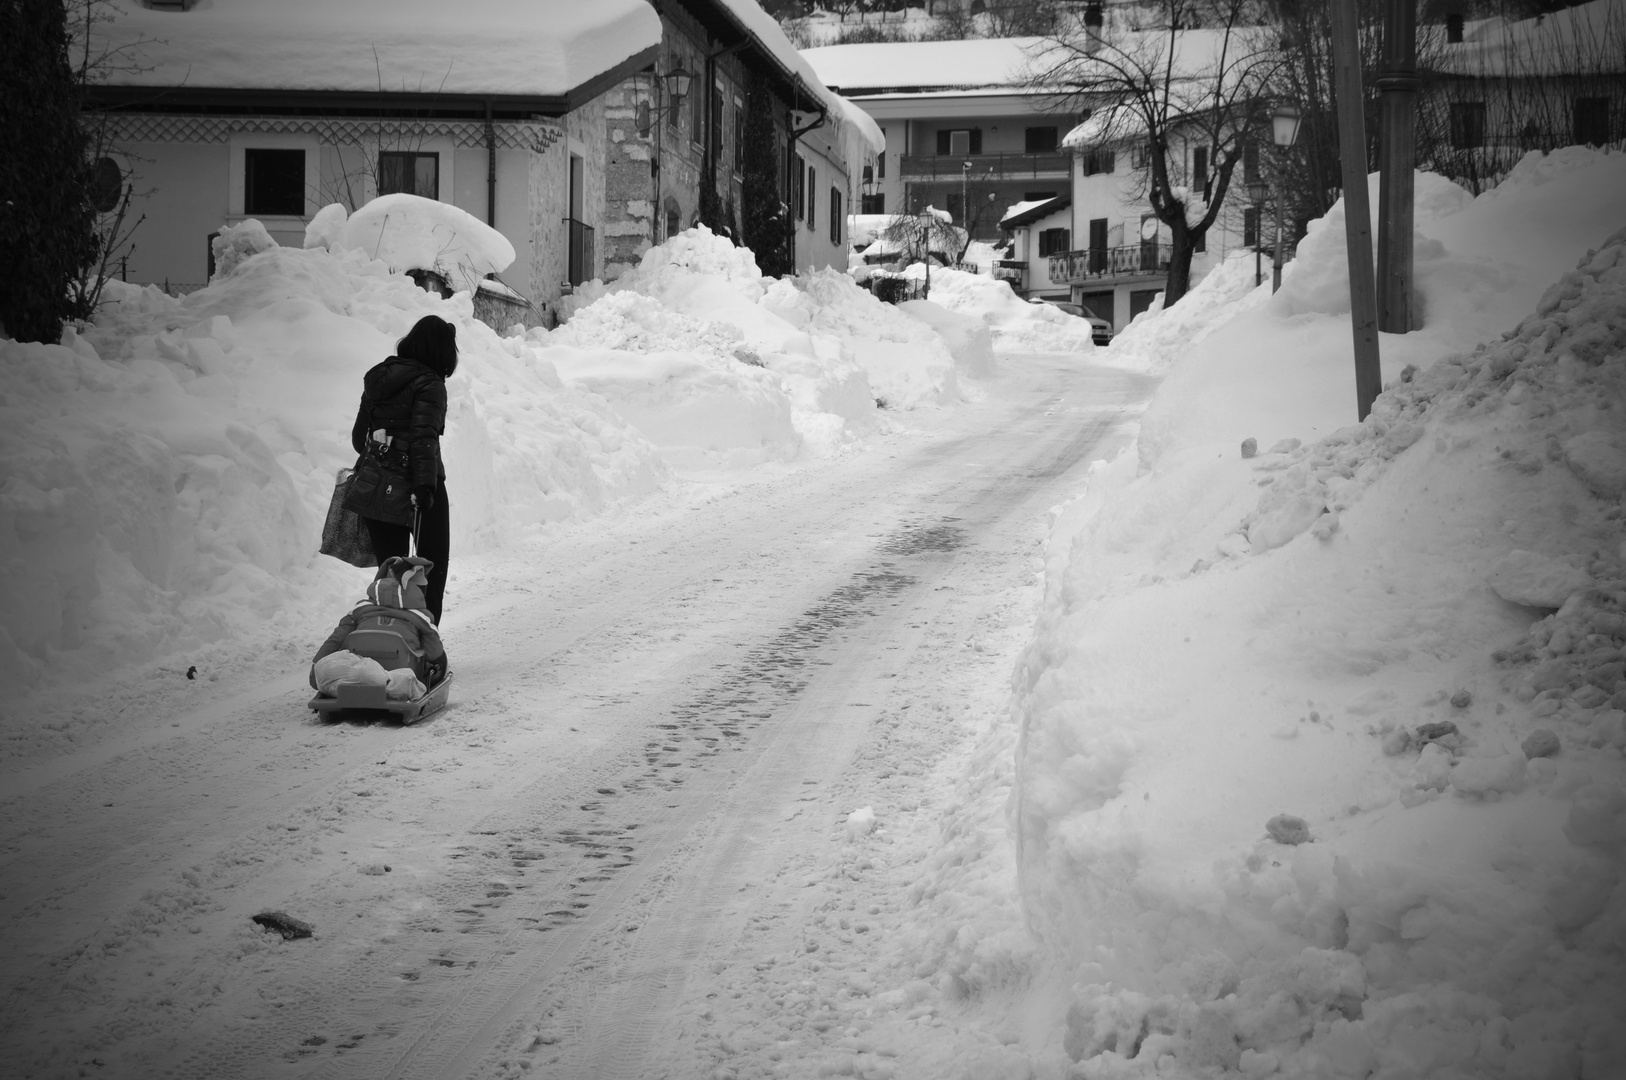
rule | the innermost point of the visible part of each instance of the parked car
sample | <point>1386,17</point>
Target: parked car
<point>1100,329</point>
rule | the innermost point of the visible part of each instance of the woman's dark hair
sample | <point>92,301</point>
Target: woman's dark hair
<point>432,343</point>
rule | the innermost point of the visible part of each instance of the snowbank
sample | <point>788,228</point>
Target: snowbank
<point>168,472</point>
<point>1017,325</point>
<point>1321,767</point>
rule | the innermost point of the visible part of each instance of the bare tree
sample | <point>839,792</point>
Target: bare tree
<point>1170,87</point>
<point>923,236</point>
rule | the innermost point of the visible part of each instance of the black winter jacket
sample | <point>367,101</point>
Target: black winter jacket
<point>407,400</point>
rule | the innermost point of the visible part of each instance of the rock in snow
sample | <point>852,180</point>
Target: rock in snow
<point>1540,743</point>
<point>284,924</point>
<point>1287,829</point>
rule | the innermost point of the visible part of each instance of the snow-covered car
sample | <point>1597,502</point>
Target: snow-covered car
<point>1100,329</point>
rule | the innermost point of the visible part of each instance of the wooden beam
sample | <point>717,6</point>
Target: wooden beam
<point>1363,316</point>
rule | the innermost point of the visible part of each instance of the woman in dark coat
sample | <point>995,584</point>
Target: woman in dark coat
<point>403,402</point>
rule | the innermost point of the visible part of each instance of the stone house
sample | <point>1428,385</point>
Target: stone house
<point>664,150</point>
<point>231,110</point>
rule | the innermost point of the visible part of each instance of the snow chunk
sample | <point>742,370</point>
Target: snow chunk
<point>1598,458</point>
<point>860,822</point>
<point>326,229</point>
<point>235,243</point>
<point>1485,776</point>
<point>1534,580</point>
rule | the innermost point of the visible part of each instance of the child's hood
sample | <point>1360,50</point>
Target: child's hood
<point>400,585</point>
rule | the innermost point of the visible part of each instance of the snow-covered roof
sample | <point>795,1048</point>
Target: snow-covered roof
<point>1197,53</point>
<point>862,130</point>
<point>520,47</point>
<point>1030,210</point>
<point>919,65</point>
<point>1586,39</point>
<point>1105,125</point>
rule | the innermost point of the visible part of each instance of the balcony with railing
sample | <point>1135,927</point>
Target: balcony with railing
<point>1130,260</point>
<point>580,264</point>
<point>1051,165</point>
<point>1010,269</point>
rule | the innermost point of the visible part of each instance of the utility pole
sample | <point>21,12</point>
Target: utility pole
<point>1397,159</point>
<point>1363,316</point>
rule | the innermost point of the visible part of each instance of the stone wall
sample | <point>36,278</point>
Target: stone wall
<point>629,181</point>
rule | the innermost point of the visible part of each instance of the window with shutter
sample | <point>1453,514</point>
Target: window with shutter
<point>812,186</point>
<point>959,142</point>
<point>835,216</point>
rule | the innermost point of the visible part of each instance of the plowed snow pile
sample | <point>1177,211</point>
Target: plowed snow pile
<point>167,473</point>
<point>1321,767</point>
<point>719,365</point>
<point>1017,325</point>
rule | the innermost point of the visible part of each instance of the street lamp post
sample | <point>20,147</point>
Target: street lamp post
<point>1284,128</point>
<point>1258,191</point>
<point>926,242</point>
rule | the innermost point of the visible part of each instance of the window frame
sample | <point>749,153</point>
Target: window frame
<point>799,181</point>
<point>1054,241</point>
<point>835,215</point>
<point>1053,138</point>
<point>266,201</point>
<point>1467,125</point>
<point>1589,121</point>
<point>413,155</point>
<point>811,186</point>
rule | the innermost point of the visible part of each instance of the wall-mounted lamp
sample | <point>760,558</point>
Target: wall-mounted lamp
<point>677,88</point>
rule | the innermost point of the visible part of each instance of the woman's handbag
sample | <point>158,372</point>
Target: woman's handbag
<point>344,534</point>
<point>382,486</point>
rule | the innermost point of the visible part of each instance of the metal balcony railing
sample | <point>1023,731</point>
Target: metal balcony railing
<point>985,166</point>
<point>580,261</point>
<point>1129,260</point>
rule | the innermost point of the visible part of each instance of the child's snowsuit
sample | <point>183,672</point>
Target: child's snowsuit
<point>392,612</point>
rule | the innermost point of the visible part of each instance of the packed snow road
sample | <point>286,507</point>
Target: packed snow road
<point>625,849</point>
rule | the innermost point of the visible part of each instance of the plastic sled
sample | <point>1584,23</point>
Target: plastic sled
<point>361,698</point>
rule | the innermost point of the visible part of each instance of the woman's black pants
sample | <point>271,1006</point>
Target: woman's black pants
<point>434,544</point>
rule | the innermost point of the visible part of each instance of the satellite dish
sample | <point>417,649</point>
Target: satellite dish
<point>1148,229</point>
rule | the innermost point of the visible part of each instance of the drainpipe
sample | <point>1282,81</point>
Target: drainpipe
<point>491,169</point>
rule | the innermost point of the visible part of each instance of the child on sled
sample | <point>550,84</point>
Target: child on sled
<point>388,639</point>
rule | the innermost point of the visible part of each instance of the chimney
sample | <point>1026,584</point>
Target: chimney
<point>1092,27</point>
